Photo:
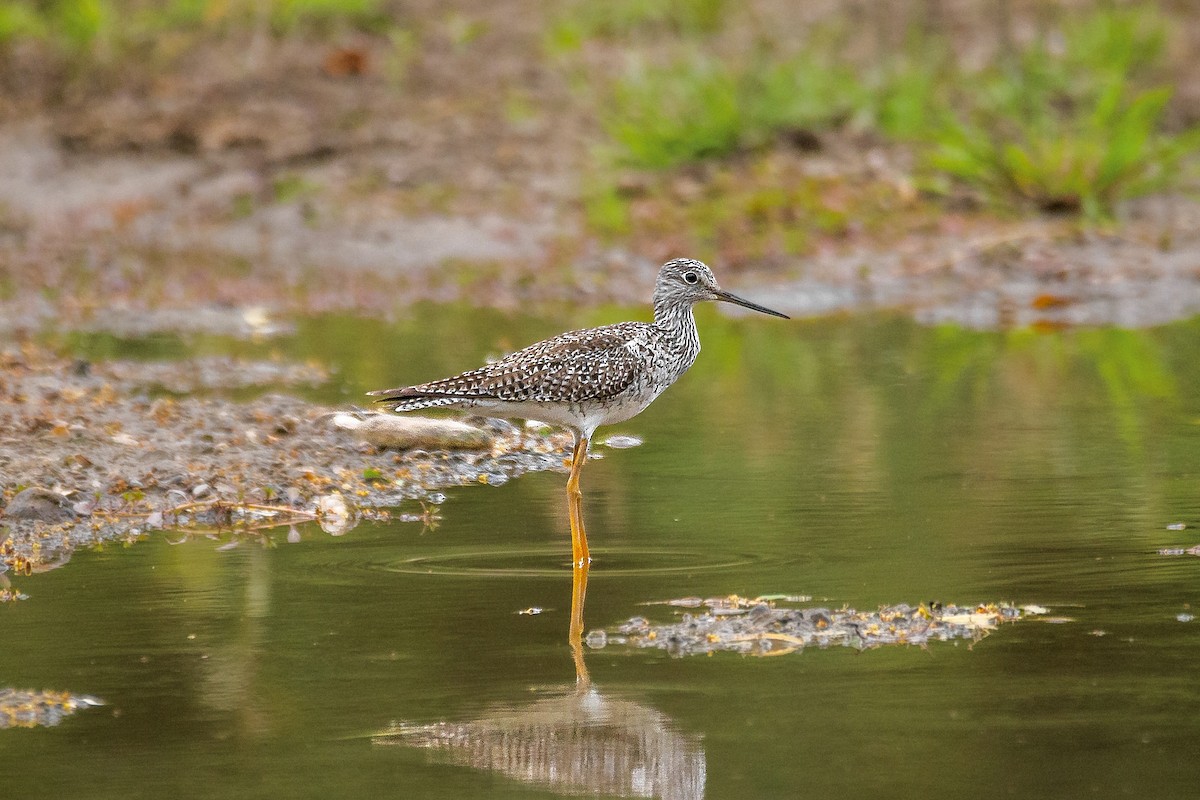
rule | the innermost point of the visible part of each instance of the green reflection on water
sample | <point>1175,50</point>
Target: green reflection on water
<point>861,461</point>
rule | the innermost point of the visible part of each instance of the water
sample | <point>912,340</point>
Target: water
<point>861,461</point>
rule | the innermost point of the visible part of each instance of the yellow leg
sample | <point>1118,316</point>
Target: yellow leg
<point>579,545</point>
<point>579,577</point>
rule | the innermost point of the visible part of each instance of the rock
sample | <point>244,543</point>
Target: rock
<point>408,432</point>
<point>40,505</point>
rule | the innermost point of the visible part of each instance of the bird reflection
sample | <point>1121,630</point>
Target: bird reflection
<point>579,740</point>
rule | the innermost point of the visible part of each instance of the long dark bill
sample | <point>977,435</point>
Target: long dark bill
<point>733,298</point>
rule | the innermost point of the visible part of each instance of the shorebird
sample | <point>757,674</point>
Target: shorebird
<point>587,378</point>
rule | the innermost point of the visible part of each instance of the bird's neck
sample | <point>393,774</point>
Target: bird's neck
<point>677,322</point>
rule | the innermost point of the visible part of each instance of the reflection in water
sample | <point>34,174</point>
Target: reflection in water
<point>232,668</point>
<point>579,740</point>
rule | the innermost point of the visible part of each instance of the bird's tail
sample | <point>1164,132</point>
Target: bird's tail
<point>410,398</point>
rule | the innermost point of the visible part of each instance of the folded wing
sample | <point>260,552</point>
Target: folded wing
<point>578,366</point>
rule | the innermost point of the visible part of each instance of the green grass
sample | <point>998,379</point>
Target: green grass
<point>1074,121</point>
<point>289,15</point>
<point>701,107</point>
<point>20,21</point>
<point>1076,129</point>
<point>661,117</point>
<point>1085,160</point>
<point>73,23</point>
<point>809,91</point>
<point>80,26</point>
<point>623,18</point>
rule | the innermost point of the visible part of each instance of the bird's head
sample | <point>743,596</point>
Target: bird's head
<point>685,281</point>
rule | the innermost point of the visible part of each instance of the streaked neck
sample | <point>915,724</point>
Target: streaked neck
<point>674,317</point>
<point>677,322</point>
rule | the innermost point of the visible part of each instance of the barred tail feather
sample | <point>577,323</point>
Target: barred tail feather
<point>418,403</point>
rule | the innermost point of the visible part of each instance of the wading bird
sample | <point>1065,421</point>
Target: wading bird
<point>587,378</point>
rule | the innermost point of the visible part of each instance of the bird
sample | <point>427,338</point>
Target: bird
<point>587,378</point>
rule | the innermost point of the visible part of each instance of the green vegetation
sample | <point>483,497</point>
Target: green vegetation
<point>1076,130</point>
<point>809,91</point>
<point>663,117</point>
<point>1074,120</point>
<point>585,19</point>
<point>80,26</point>
<point>700,107</point>
<point>289,15</point>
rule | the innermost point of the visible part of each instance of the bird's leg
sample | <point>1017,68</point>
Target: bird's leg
<point>580,559</point>
<point>579,575</point>
<point>579,545</point>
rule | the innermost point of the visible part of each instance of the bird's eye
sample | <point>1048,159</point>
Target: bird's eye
<point>690,277</point>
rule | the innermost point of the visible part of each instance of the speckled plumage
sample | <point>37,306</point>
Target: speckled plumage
<point>586,378</point>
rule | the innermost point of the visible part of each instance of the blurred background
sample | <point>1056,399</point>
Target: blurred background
<point>328,154</point>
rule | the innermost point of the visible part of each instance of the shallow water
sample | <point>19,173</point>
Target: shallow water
<point>862,461</point>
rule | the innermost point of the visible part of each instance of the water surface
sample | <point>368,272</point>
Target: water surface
<point>862,461</point>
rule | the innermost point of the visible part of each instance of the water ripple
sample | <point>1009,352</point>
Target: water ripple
<point>555,562</point>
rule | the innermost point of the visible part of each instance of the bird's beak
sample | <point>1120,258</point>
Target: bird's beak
<point>733,298</point>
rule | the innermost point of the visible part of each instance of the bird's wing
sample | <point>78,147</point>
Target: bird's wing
<point>577,366</point>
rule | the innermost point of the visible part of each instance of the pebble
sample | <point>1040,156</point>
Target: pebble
<point>39,505</point>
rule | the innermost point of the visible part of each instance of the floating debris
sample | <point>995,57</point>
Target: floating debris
<point>334,515</point>
<point>20,708</point>
<point>623,441</point>
<point>1180,551</point>
<point>596,639</point>
<point>10,595</point>
<point>759,627</point>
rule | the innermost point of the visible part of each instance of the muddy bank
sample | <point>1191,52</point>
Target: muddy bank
<point>1041,273</point>
<point>110,460</point>
<point>170,269</point>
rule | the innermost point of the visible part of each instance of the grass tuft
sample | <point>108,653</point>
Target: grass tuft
<point>1071,122</point>
<point>1071,129</point>
<point>662,117</point>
